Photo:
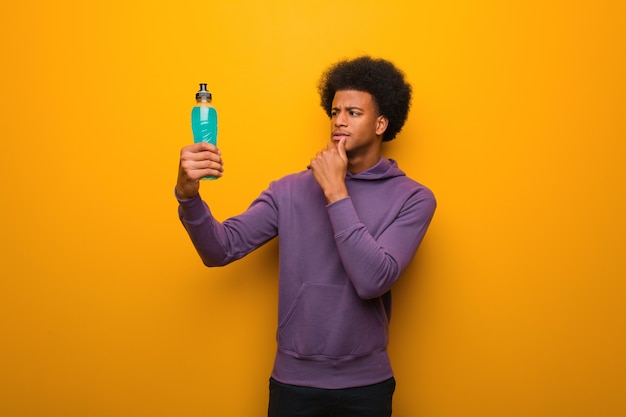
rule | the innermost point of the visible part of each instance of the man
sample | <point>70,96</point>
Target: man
<point>348,226</point>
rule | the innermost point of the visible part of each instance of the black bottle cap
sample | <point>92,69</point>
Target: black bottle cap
<point>203,93</point>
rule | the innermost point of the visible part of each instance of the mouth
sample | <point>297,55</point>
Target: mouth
<point>339,135</point>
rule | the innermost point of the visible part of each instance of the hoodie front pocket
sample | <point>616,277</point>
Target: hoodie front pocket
<point>332,321</point>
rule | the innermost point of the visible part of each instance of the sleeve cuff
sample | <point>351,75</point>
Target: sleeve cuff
<point>193,209</point>
<point>342,215</point>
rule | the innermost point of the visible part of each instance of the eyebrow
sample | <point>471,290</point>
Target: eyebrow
<point>348,108</point>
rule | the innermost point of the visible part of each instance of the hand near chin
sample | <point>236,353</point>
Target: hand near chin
<point>329,170</point>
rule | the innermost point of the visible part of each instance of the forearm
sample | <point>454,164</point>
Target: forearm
<point>203,230</point>
<point>221,243</point>
<point>336,193</point>
<point>369,268</point>
<point>374,264</point>
<point>372,270</point>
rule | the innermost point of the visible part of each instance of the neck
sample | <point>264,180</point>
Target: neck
<point>358,164</point>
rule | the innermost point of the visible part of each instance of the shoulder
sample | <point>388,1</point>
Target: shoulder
<point>409,184</point>
<point>414,195</point>
<point>295,183</point>
<point>294,179</point>
<point>410,187</point>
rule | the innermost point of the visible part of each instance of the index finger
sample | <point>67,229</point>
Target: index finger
<point>199,148</point>
<point>203,146</point>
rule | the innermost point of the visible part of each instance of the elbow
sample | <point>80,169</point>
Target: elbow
<point>369,293</point>
<point>213,264</point>
<point>375,287</point>
<point>211,261</point>
<point>372,284</point>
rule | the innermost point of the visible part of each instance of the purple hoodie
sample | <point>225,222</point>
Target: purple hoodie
<point>337,265</point>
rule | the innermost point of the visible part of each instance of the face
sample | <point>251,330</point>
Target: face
<point>355,117</point>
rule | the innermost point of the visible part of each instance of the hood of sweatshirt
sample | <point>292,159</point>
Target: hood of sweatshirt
<point>385,168</point>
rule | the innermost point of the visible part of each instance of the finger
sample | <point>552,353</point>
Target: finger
<point>201,153</point>
<point>341,147</point>
<point>201,170</point>
<point>216,165</point>
<point>203,147</point>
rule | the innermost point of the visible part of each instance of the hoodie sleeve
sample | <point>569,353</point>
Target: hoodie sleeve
<point>374,265</point>
<point>218,243</point>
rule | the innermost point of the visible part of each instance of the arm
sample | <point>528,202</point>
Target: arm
<point>219,243</point>
<point>374,265</point>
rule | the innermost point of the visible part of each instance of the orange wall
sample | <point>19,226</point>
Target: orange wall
<point>514,305</point>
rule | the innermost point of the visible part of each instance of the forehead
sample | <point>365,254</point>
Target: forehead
<point>353,98</point>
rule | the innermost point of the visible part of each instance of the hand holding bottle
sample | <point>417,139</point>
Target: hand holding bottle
<point>197,161</point>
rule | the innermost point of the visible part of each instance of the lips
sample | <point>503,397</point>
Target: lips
<point>338,135</point>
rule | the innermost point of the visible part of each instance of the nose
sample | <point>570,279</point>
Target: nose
<point>339,119</point>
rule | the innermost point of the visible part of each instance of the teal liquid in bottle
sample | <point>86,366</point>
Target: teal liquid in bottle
<point>204,120</point>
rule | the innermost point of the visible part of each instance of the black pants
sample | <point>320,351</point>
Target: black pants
<point>295,401</point>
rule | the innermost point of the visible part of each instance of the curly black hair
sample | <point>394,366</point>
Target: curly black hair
<point>380,78</point>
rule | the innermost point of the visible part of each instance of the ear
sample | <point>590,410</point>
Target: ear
<point>381,124</point>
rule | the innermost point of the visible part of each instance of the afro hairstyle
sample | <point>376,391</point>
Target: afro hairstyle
<point>378,77</point>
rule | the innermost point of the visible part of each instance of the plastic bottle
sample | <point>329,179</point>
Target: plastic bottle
<point>204,120</point>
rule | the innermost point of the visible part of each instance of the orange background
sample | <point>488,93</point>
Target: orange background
<point>514,305</point>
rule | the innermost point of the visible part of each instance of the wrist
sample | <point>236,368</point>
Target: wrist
<point>335,195</point>
<point>183,194</point>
